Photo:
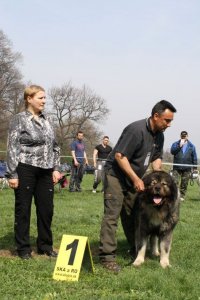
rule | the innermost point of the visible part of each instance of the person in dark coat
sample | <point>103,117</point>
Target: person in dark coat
<point>185,160</point>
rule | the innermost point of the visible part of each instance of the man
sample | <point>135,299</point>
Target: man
<point>79,159</point>
<point>140,144</point>
<point>100,155</point>
<point>184,156</point>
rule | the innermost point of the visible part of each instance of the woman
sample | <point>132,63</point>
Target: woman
<point>32,170</point>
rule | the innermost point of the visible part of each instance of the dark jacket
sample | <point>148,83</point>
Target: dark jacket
<point>187,158</point>
<point>141,147</point>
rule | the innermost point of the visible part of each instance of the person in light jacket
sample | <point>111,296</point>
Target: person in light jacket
<point>33,167</point>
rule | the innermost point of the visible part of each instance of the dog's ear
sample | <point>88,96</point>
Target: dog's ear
<point>174,188</point>
<point>147,179</point>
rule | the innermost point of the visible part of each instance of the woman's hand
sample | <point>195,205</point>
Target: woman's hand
<point>13,183</point>
<point>56,176</point>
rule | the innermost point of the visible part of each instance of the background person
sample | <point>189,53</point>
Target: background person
<point>184,152</point>
<point>100,155</point>
<point>79,160</point>
<point>33,169</point>
<point>140,144</point>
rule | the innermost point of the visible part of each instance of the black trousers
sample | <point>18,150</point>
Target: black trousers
<point>33,182</point>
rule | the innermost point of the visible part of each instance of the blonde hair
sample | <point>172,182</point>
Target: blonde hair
<point>30,91</point>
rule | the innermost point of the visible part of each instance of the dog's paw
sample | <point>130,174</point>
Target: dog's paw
<point>156,253</point>
<point>165,263</point>
<point>138,262</point>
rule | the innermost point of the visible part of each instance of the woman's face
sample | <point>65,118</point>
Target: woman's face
<point>36,103</point>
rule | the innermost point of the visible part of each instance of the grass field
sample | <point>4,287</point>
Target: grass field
<point>80,214</point>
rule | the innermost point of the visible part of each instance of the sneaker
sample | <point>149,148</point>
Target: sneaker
<point>182,199</point>
<point>111,266</point>
<point>94,191</point>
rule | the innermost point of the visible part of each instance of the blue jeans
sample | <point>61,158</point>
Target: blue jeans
<point>76,177</point>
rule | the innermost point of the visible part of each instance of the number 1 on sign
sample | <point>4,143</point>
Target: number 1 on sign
<point>70,257</point>
<point>72,246</point>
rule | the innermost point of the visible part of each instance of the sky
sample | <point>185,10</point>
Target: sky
<point>132,53</point>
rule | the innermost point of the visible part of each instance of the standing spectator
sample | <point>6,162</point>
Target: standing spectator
<point>79,159</point>
<point>100,155</point>
<point>184,153</point>
<point>32,170</point>
<point>140,144</point>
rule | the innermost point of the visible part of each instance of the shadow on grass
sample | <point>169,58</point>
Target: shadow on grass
<point>123,253</point>
<point>7,241</point>
<point>194,199</point>
<point>122,250</point>
<point>7,245</point>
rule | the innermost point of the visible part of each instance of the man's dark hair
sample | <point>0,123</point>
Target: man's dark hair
<point>80,131</point>
<point>161,106</point>
<point>184,133</point>
<point>106,137</point>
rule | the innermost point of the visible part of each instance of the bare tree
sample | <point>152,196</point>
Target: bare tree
<point>11,86</point>
<point>75,109</point>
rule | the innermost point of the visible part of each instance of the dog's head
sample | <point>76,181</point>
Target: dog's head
<point>160,187</point>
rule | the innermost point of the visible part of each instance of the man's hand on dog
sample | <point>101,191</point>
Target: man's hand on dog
<point>139,185</point>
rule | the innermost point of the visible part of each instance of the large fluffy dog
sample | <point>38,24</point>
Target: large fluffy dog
<point>156,214</point>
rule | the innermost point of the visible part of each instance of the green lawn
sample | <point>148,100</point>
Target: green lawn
<point>80,214</point>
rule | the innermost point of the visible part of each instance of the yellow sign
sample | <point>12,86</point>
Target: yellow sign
<point>70,257</point>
